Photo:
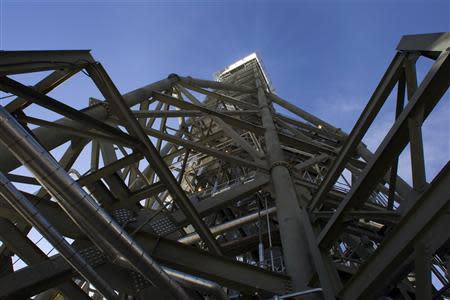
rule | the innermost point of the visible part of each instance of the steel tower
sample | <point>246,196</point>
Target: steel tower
<point>201,189</point>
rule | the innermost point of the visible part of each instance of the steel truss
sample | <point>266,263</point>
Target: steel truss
<point>200,189</point>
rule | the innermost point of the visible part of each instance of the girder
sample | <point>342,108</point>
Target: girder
<point>194,188</point>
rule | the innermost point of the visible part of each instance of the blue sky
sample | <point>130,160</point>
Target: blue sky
<point>325,56</point>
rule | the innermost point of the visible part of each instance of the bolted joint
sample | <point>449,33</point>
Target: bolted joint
<point>96,102</point>
<point>280,163</point>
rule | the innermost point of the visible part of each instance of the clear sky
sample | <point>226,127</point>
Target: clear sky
<point>325,56</point>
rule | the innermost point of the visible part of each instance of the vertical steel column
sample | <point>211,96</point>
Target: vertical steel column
<point>415,130</point>
<point>295,246</point>
<point>423,257</point>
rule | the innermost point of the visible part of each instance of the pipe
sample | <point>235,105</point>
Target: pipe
<point>30,213</point>
<point>295,250</point>
<point>197,283</point>
<point>302,293</point>
<point>92,219</point>
<point>269,236</point>
<point>216,230</point>
<point>261,254</point>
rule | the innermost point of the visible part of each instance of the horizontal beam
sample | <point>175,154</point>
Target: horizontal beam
<point>17,62</point>
<point>222,199</point>
<point>141,194</point>
<point>186,113</point>
<point>219,96</point>
<point>430,44</point>
<point>30,281</point>
<point>225,271</point>
<point>214,84</point>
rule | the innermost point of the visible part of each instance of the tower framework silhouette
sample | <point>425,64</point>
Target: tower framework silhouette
<point>202,189</point>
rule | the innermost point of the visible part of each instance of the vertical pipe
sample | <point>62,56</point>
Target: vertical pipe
<point>295,249</point>
<point>269,236</point>
<point>260,244</point>
<point>261,254</point>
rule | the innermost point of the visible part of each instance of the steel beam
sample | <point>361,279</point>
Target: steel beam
<point>426,218</point>
<point>51,139</point>
<point>17,62</point>
<point>206,150</point>
<point>221,200</point>
<point>286,139</point>
<point>415,130</point>
<point>367,116</point>
<point>94,221</point>
<point>227,129</point>
<point>214,84</point>
<point>219,96</point>
<point>295,250</point>
<point>303,114</point>
<point>141,194</point>
<point>29,212</point>
<point>110,92</point>
<point>12,86</point>
<point>429,44</point>
<point>30,281</point>
<point>75,132</point>
<point>32,255</point>
<point>186,113</point>
<point>427,95</point>
<point>225,271</point>
<point>44,86</point>
<point>394,168</point>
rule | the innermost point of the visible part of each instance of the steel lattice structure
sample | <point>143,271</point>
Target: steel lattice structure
<point>200,189</point>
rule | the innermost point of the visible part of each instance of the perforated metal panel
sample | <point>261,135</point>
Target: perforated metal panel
<point>93,256</point>
<point>163,225</point>
<point>123,215</point>
<point>139,281</point>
